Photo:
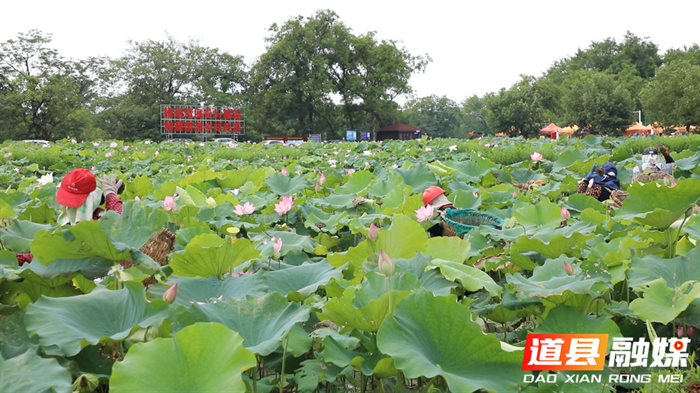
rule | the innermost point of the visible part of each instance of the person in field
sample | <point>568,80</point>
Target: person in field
<point>651,161</point>
<point>600,182</point>
<point>80,199</point>
<point>435,196</point>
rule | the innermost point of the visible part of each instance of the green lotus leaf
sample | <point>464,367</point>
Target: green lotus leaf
<point>523,175</point>
<point>403,239</point>
<point>191,196</point>
<point>140,186</point>
<point>185,235</point>
<point>661,303</point>
<point>440,169</point>
<point>204,357</point>
<point>383,187</point>
<point>304,279</point>
<point>462,199</point>
<point>199,177</point>
<point>134,225</point>
<point>18,236</point>
<point>89,267</point>
<point>31,373</point>
<point>544,214</point>
<point>208,260</point>
<point>261,321</point>
<point>95,359</point>
<point>290,242</point>
<point>569,320</point>
<point>564,378</point>
<point>556,246</point>
<point>104,315</point>
<point>314,371</point>
<point>583,302</point>
<point>6,210</point>
<point>198,289</point>
<point>331,223</point>
<point>472,279</point>
<point>299,341</point>
<point>42,214</point>
<point>356,184</point>
<point>335,201</point>
<point>14,339</point>
<point>568,158</point>
<point>448,248</point>
<point>17,200</point>
<point>82,240</point>
<point>657,205</point>
<point>234,179</point>
<point>551,279</point>
<point>467,358</point>
<point>689,163</point>
<point>286,185</point>
<point>675,271</point>
<point>366,363</point>
<point>366,308</point>
<point>419,177</point>
<point>580,202</point>
<point>476,166</point>
<point>431,279</point>
<point>593,216</point>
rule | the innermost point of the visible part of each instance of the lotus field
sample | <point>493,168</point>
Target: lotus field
<point>309,268</point>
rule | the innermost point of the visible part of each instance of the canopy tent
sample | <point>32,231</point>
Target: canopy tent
<point>566,130</point>
<point>638,128</point>
<point>550,129</point>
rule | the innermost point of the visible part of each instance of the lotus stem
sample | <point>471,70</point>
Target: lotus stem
<point>284,360</point>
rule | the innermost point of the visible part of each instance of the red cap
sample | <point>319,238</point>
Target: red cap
<point>431,193</point>
<point>76,187</point>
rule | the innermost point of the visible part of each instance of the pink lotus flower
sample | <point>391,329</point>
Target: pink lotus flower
<point>169,203</point>
<point>386,265</point>
<point>147,142</point>
<point>157,153</point>
<point>170,295</point>
<point>536,156</point>
<point>113,145</point>
<point>515,194</point>
<point>690,331</point>
<point>680,332</point>
<point>565,213</point>
<point>238,274</point>
<point>568,268</point>
<point>277,246</point>
<point>125,148</point>
<point>247,208</point>
<point>425,213</point>
<point>284,206</point>
<point>476,194</point>
<point>136,198</point>
<point>284,171</point>
<point>317,187</point>
<point>373,232</point>
<point>322,179</point>
<point>351,171</point>
<point>108,154</point>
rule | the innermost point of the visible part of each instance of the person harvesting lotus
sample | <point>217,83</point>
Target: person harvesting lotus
<point>80,199</point>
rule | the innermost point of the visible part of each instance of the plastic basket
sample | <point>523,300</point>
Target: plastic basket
<point>457,222</point>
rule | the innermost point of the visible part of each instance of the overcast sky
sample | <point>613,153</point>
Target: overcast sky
<point>477,46</point>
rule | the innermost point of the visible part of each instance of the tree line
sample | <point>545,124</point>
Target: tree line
<point>318,77</point>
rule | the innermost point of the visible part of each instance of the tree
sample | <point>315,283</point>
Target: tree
<point>690,54</point>
<point>153,73</point>
<point>473,117</point>
<point>599,101</point>
<point>311,64</point>
<point>673,96</point>
<point>42,95</point>
<point>515,111</point>
<point>438,116</point>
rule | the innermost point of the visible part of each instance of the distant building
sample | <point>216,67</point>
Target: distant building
<point>399,131</point>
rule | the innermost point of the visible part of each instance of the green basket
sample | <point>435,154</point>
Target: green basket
<point>457,222</point>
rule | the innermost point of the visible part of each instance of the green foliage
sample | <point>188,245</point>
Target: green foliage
<point>672,95</point>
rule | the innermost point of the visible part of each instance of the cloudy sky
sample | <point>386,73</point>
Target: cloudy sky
<point>477,46</point>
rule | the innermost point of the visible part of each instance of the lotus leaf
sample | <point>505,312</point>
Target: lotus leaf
<point>204,357</point>
<point>472,279</point>
<point>197,289</point>
<point>551,279</point>
<point>454,348</point>
<point>207,260</point>
<point>261,321</point>
<point>304,279</point>
<point>100,316</point>
<point>661,303</point>
<point>18,236</point>
<point>286,185</point>
<point>31,373</point>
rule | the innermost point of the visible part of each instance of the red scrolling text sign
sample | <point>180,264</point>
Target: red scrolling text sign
<point>189,119</point>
